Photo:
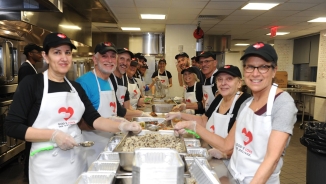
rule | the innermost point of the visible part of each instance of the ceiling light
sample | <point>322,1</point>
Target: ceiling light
<point>6,32</point>
<point>259,6</point>
<point>319,19</point>
<point>152,16</point>
<point>241,44</point>
<point>70,27</point>
<point>279,33</point>
<point>130,28</point>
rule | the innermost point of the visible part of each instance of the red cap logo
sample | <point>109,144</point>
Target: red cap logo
<point>125,49</point>
<point>202,52</point>
<point>108,44</point>
<point>60,35</point>
<point>227,66</point>
<point>258,45</point>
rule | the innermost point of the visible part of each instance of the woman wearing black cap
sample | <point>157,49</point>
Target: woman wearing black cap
<point>193,93</point>
<point>264,125</point>
<point>45,111</point>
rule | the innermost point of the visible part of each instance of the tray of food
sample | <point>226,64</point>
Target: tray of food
<point>104,166</point>
<point>197,152</point>
<point>108,156</point>
<point>95,178</point>
<point>147,122</point>
<point>147,139</point>
<point>162,108</point>
<point>190,142</point>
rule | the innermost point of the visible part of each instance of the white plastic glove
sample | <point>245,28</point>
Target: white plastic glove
<point>63,140</point>
<point>173,115</point>
<point>180,127</point>
<point>130,126</point>
<point>216,153</point>
<point>118,119</point>
<point>145,115</point>
<point>189,111</point>
<point>179,107</point>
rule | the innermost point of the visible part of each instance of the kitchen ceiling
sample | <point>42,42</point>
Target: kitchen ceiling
<point>244,26</point>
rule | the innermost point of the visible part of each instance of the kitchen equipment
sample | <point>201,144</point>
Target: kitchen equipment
<point>51,147</point>
<point>104,166</point>
<point>162,108</point>
<point>197,152</point>
<point>202,174</point>
<point>95,178</point>
<point>108,156</point>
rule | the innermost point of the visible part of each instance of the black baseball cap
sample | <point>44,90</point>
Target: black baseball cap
<point>30,47</point>
<point>144,66</point>
<point>189,69</point>
<point>125,50</point>
<point>56,39</point>
<point>162,60</point>
<point>193,58</point>
<point>137,55</point>
<point>103,47</point>
<point>206,54</point>
<point>230,69</point>
<point>181,54</point>
<point>134,63</point>
<point>263,50</point>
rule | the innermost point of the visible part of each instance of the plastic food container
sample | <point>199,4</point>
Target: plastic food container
<point>95,178</point>
<point>104,166</point>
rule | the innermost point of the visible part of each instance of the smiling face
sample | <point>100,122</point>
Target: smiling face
<point>227,85</point>
<point>59,59</point>
<point>131,70</point>
<point>183,62</point>
<point>161,66</point>
<point>188,77</point>
<point>208,66</point>
<point>123,62</point>
<point>255,80</point>
<point>106,63</point>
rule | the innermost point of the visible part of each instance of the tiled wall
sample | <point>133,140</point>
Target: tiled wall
<point>176,35</point>
<point>284,49</point>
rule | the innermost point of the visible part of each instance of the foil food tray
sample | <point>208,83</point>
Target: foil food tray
<point>192,142</point>
<point>109,156</point>
<point>104,166</point>
<point>162,108</point>
<point>202,174</point>
<point>204,161</point>
<point>115,139</point>
<point>95,178</point>
<point>126,158</point>
<point>197,152</point>
<point>110,146</point>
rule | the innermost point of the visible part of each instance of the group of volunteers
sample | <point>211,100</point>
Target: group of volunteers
<point>251,131</point>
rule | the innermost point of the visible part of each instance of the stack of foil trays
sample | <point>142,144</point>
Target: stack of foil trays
<point>95,178</point>
<point>157,165</point>
<point>202,173</point>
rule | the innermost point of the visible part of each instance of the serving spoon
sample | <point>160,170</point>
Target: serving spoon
<point>47,148</point>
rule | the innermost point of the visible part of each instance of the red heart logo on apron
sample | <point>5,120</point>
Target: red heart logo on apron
<point>162,81</point>
<point>112,104</point>
<point>205,96</point>
<point>248,136</point>
<point>123,97</point>
<point>188,100</point>
<point>135,91</point>
<point>69,111</point>
<point>213,128</point>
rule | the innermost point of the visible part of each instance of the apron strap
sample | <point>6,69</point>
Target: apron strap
<point>98,84</point>
<point>271,98</point>
<point>237,95</point>
<point>211,78</point>
<point>31,66</point>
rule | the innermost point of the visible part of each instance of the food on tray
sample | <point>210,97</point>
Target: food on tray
<point>192,181</point>
<point>142,124</point>
<point>153,114</point>
<point>152,140</point>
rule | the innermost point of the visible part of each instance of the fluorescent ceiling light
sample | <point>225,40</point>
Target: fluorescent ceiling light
<point>6,32</point>
<point>279,33</point>
<point>130,28</point>
<point>319,19</point>
<point>259,6</point>
<point>241,44</point>
<point>152,16</point>
<point>70,27</point>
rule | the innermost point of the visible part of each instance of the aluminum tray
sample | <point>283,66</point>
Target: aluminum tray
<point>192,142</point>
<point>104,166</point>
<point>204,161</point>
<point>162,108</point>
<point>109,156</point>
<point>95,178</point>
<point>202,174</point>
<point>116,139</point>
<point>110,146</point>
<point>126,158</point>
<point>197,151</point>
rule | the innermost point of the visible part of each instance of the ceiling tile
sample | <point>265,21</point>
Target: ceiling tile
<point>120,3</point>
<point>231,17</point>
<point>208,11</point>
<point>128,21</point>
<point>153,3</point>
<point>311,14</point>
<point>233,22</point>
<point>225,5</point>
<point>188,4</point>
<point>127,16</point>
<point>179,11</point>
<point>319,7</point>
<point>294,6</point>
<point>182,16</point>
<point>179,21</point>
<point>276,13</point>
<point>248,12</point>
<point>118,10</point>
<point>164,11</point>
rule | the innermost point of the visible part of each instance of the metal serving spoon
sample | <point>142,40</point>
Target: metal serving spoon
<point>83,144</point>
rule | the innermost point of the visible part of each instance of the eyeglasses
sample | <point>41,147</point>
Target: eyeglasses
<point>205,61</point>
<point>261,69</point>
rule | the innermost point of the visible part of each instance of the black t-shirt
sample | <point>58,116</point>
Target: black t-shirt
<point>162,74</point>
<point>237,105</point>
<point>208,82</point>
<point>27,102</point>
<point>199,97</point>
<point>120,82</point>
<point>200,75</point>
<point>24,70</point>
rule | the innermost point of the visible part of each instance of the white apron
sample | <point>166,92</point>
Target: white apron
<point>60,110</point>
<point>31,66</point>
<point>141,83</point>
<point>121,90</point>
<point>219,123</point>
<point>190,97</point>
<point>164,80</point>
<point>251,137</point>
<point>106,108</point>
<point>134,93</point>
<point>207,92</point>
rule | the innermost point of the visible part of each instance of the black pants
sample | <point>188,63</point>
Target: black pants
<point>27,150</point>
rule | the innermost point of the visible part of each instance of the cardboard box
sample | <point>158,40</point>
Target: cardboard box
<point>281,78</point>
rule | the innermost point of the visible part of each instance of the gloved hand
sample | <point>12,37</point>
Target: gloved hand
<point>179,107</point>
<point>165,86</point>
<point>63,140</point>
<point>118,119</point>
<point>180,127</point>
<point>173,115</point>
<point>145,115</point>
<point>189,111</point>
<point>131,126</point>
<point>216,153</point>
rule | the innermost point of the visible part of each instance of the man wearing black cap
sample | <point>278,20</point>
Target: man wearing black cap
<point>33,55</point>
<point>209,69</point>
<point>183,63</point>
<point>138,77</point>
<point>134,89</point>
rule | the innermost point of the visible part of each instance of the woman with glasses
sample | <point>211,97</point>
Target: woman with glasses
<point>264,125</point>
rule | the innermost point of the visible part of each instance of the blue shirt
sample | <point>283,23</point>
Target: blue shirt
<point>88,82</point>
